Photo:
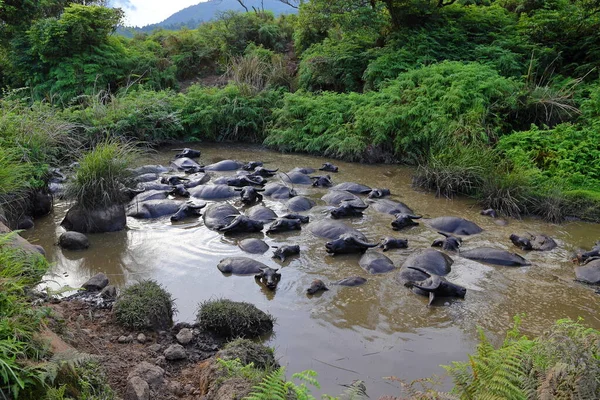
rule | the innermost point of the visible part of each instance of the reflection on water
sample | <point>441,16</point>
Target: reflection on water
<point>367,332</point>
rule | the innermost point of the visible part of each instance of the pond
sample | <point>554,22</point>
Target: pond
<point>369,332</point>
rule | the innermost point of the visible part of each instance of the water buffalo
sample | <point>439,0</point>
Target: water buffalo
<point>589,273</point>
<point>131,193</point>
<point>321,181</point>
<point>316,286</point>
<point>430,260</point>
<point>389,243</point>
<point>252,165</point>
<point>187,209</point>
<point>153,208</point>
<point>538,242</point>
<point>299,203</point>
<point>493,256</point>
<point>296,178</point>
<point>347,244</point>
<point>490,212</point>
<point>261,213</point>
<point>435,285</point>
<point>250,194</point>
<point>268,277</point>
<point>242,224</point>
<point>404,221</point>
<point>196,179</point>
<point>278,191</point>
<point>336,197</point>
<point>149,195</point>
<point>348,209</point>
<point>350,281</point>
<point>188,153</point>
<point>352,187</point>
<point>450,243</point>
<point>263,172</point>
<point>329,167</point>
<point>285,225</point>
<point>213,192</point>
<point>218,216</point>
<point>303,218</point>
<point>456,225</point>
<point>375,263</point>
<point>303,170</point>
<point>390,207</point>
<point>186,164</point>
<point>225,165</point>
<point>179,190</point>
<point>286,251</point>
<point>379,193</point>
<point>156,185</point>
<point>240,266</point>
<point>173,180</point>
<point>146,178</point>
<point>253,246</point>
<point>331,229</point>
<point>239,181</point>
<point>594,252</point>
<point>149,169</point>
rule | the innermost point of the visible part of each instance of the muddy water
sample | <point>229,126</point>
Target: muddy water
<point>370,332</point>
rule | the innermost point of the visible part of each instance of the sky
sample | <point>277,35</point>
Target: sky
<point>144,12</point>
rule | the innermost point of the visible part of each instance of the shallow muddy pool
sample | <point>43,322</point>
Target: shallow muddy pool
<point>369,332</point>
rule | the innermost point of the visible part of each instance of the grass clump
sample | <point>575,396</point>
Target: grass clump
<point>145,305</point>
<point>101,175</point>
<point>233,319</point>
<point>248,352</point>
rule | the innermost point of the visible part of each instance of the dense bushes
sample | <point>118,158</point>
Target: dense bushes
<point>145,305</point>
<point>234,319</point>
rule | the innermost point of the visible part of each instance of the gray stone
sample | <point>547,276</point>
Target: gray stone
<point>109,292</point>
<point>175,352</point>
<point>25,223</point>
<point>185,336</point>
<point>73,241</point>
<point>141,338</point>
<point>96,283</point>
<point>109,219</point>
<point>161,361</point>
<point>137,389</point>
<point>153,374</point>
<point>125,339</point>
<point>155,347</point>
<point>176,388</point>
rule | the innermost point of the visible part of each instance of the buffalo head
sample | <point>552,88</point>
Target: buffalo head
<point>404,221</point>
<point>348,243</point>
<point>348,209</point>
<point>269,277</point>
<point>188,209</point>
<point>250,194</point>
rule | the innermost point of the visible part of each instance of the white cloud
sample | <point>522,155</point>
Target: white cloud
<point>144,12</point>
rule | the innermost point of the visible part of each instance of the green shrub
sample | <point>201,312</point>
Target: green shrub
<point>247,351</point>
<point>145,305</point>
<point>232,319</point>
<point>101,175</point>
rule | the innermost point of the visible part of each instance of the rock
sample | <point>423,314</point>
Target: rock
<point>153,374</point>
<point>41,204</point>
<point>234,389</point>
<point>137,389</point>
<point>25,223</point>
<point>96,283</point>
<point>185,336</point>
<point>188,389</point>
<point>125,339</point>
<point>109,292</point>
<point>155,347</point>
<point>39,249</point>
<point>73,241</point>
<point>175,352</point>
<point>176,388</point>
<point>141,338</point>
<point>110,219</point>
<point>161,361</point>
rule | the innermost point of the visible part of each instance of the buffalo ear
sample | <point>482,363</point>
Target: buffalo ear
<point>415,216</point>
<point>237,189</point>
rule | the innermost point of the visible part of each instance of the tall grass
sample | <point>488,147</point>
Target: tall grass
<point>102,173</point>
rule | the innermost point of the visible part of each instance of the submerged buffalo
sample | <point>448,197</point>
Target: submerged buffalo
<point>351,281</point>
<point>589,273</point>
<point>316,286</point>
<point>225,165</point>
<point>302,218</point>
<point>435,285</point>
<point>242,224</point>
<point>388,243</point>
<point>490,212</point>
<point>188,209</point>
<point>261,213</point>
<point>303,170</point>
<point>493,256</point>
<point>390,207</point>
<point>379,193</point>
<point>352,187</point>
<point>594,252</point>
<point>348,209</point>
<point>449,243</point>
<point>375,263</point>
<point>404,221</point>
<point>268,277</point>
<point>146,178</point>
<point>149,195</point>
<point>538,242</point>
<point>347,244</point>
<point>278,191</point>
<point>240,266</point>
<point>285,225</point>
<point>213,192</point>
<point>430,260</point>
<point>188,153</point>
<point>331,229</point>
<point>456,225</point>
<point>297,178</point>
<point>240,181</point>
<point>263,172</point>
<point>321,181</point>
<point>173,180</point>
<point>329,167</point>
<point>179,190</point>
<point>218,216</point>
<point>337,197</point>
<point>153,208</point>
<point>196,179</point>
<point>250,194</point>
<point>299,203</point>
<point>253,246</point>
<point>148,169</point>
<point>186,164</point>
<point>252,165</point>
<point>283,252</point>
